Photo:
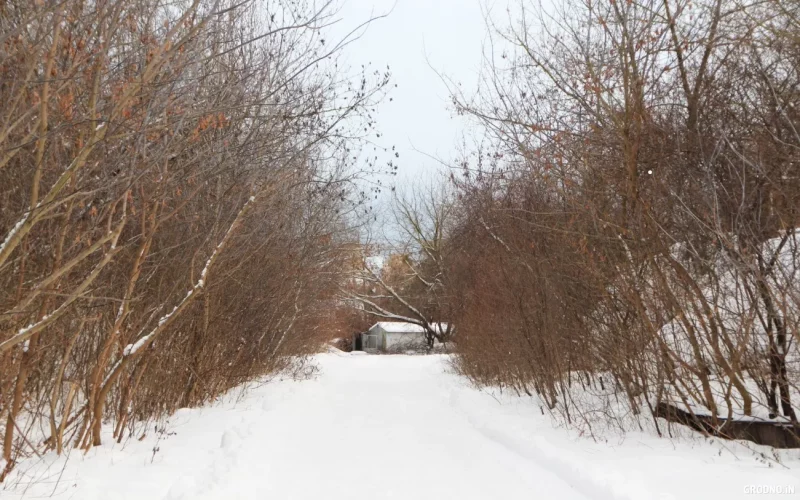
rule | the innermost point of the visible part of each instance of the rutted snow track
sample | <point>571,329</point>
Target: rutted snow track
<point>375,427</point>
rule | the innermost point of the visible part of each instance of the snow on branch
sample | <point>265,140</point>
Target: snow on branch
<point>165,320</point>
<point>23,334</point>
<point>381,312</point>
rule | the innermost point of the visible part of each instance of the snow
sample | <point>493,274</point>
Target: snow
<point>395,427</point>
<point>17,227</point>
<point>25,332</point>
<point>736,312</point>
<point>404,327</point>
<point>133,348</point>
<point>399,327</point>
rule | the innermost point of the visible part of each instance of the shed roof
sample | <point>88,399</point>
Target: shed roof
<point>405,327</point>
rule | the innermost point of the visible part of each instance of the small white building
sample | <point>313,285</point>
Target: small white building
<point>394,336</point>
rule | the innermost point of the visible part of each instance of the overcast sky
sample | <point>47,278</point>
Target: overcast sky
<point>418,39</point>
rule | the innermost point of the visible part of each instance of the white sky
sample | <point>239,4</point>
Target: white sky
<point>418,39</point>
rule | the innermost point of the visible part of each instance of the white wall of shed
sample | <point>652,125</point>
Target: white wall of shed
<point>402,340</point>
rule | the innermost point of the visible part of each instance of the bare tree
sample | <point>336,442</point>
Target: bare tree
<point>410,283</point>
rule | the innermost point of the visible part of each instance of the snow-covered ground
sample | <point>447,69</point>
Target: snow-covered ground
<point>399,427</point>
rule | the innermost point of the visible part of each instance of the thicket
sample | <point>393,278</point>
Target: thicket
<point>626,235</point>
<point>174,214</point>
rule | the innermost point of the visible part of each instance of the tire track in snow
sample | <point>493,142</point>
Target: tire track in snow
<point>587,486</point>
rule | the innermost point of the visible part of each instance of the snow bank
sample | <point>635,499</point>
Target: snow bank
<point>738,313</point>
<point>403,427</point>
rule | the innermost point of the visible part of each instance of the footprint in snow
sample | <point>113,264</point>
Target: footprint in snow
<point>184,488</point>
<point>230,440</point>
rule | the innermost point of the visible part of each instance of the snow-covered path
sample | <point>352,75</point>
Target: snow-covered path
<point>388,427</point>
